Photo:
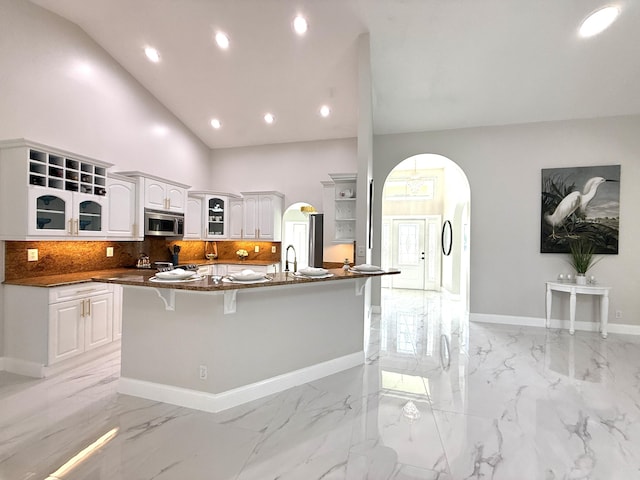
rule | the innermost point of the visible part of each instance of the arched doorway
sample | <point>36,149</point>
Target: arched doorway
<point>425,226</point>
<point>295,231</point>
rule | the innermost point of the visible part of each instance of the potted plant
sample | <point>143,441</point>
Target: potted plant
<point>582,258</point>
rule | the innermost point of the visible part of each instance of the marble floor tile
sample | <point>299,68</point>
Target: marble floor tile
<point>437,398</point>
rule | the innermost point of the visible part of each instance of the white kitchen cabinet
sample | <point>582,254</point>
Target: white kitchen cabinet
<point>121,214</point>
<point>47,193</point>
<point>236,206</point>
<point>48,327</point>
<point>161,195</point>
<point>158,193</point>
<point>344,207</point>
<point>77,326</point>
<point>210,216</point>
<point>193,218</point>
<point>262,215</point>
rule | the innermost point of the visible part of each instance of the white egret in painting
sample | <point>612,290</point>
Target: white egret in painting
<point>572,202</point>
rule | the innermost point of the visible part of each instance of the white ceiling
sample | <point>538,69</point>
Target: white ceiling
<point>436,64</point>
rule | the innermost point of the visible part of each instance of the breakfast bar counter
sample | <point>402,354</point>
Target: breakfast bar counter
<point>212,343</point>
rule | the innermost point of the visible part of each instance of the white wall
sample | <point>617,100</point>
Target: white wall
<point>294,169</point>
<point>102,113</point>
<point>503,167</point>
<point>58,87</point>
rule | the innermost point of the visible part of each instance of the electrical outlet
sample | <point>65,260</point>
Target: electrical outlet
<point>109,251</point>
<point>32,254</point>
<point>256,249</point>
<point>618,313</point>
<point>273,249</point>
<point>204,372</point>
<point>361,251</point>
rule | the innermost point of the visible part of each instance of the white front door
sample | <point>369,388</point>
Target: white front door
<point>414,251</point>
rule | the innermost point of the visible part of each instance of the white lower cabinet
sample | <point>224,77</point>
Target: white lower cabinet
<point>46,326</point>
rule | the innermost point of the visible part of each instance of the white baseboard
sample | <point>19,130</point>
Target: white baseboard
<point>39,370</point>
<point>215,402</point>
<point>23,367</point>
<point>555,323</point>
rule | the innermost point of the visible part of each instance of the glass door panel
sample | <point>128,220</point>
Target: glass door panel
<point>90,214</point>
<point>50,213</point>
<point>215,219</point>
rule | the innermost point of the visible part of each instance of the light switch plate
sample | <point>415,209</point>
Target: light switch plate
<point>273,249</point>
<point>109,251</point>
<point>256,249</point>
<point>32,254</point>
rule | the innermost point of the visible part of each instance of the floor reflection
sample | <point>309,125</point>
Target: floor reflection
<point>437,398</point>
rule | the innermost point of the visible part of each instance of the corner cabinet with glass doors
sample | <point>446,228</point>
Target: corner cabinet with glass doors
<point>208,215</point>
<point>47,193</point>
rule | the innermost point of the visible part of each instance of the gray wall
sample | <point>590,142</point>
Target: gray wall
<point>503,167</point>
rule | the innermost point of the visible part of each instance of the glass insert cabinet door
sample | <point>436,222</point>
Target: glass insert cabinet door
<point>90,216</point>
<point>51,213</point>
<point>216,217</point>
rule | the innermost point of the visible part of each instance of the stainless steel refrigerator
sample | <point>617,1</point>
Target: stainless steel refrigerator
<point>316,233</point>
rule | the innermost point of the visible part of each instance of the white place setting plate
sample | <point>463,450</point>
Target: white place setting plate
<point>192,278</point>
<point>176,274</point>
<point>232,280</point>
<point>302,275</point>
<point>246,276</point>
<point>313,271</point>
<point>365,268</point>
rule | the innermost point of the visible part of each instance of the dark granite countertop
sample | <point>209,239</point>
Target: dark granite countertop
<point>143,279</point>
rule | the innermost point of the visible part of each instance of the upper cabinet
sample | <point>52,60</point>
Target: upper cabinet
<point>121,214</point>
<point>344,211</point>
<point>208,215</point>
<point>47,193</point>
<point>157,194</point>
<point>262,215</point>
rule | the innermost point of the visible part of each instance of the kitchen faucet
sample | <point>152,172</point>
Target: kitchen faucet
<point>295,260</point>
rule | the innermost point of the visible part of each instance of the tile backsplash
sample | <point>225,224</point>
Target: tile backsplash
<point>56,257</point>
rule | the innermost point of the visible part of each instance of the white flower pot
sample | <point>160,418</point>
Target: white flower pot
<point>581,279</point>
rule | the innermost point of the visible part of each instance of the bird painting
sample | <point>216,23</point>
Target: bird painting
<point>580,202</point>
<point>572,202</point>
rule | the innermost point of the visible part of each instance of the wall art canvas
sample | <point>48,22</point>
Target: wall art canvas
<point>580,202</point>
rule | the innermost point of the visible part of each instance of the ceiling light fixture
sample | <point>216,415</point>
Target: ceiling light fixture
<point>598,21</point>
<point>152,54</point>
<point>269,118</point>
<point>222,40</point>
<point>300,25</point>
<point>325,111</point>
<point>215,123</point>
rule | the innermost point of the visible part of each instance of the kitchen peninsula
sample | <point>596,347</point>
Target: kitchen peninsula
<point>214,345</point>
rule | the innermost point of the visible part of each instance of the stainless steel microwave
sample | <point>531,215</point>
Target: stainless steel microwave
<point>163,224</point>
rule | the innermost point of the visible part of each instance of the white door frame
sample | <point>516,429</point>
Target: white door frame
<point>432,266</point>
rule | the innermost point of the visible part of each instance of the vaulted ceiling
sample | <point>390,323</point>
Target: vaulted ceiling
<point>435,64</point>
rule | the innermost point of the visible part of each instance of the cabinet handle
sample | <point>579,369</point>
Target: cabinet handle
<point>70,229</point>
<point>88,307</point>
<point>77,222</point>
<point>258,233</point>
<point>82,314</point>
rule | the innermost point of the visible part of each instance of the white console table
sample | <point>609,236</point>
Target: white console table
<point>574,289</point>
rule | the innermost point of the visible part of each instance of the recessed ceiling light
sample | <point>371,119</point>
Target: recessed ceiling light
<point>222,40</point>
<point>300,25</point>
<point>325,111</point>
<point>160,130</point>
<point>215,123</point>
<point>269,118</point>
<point>152,54</point>
<point>598,21</point>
